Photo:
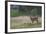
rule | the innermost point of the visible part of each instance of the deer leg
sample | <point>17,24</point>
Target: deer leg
<point>32,21</point>
<point>37,21</point>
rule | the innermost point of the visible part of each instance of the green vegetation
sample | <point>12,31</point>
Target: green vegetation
<point>19,10</point>
<point>25,25</point>
<point>25,10</point>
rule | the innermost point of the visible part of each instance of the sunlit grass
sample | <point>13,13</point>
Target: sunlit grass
<point>25,25</point>
<point>17,23</point>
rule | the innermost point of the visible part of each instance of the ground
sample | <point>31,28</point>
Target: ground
<point>24,22</point>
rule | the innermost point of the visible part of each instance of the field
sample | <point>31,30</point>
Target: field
<point>24,22</point>
<point>20,16</point>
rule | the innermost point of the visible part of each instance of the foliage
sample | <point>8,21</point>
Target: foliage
<point>25,10</point>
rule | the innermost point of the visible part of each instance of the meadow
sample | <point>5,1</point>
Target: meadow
<point>20,16</point>
<point>24,22</point>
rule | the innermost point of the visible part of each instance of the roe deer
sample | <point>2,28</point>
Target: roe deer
<point>34,18</point>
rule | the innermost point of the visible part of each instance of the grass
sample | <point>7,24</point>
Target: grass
<point>17,24</point>
<point>25,25</point>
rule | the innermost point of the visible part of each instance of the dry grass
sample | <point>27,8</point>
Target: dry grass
<point>24,22</point>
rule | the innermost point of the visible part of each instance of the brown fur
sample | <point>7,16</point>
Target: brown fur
<point>34,18</point>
